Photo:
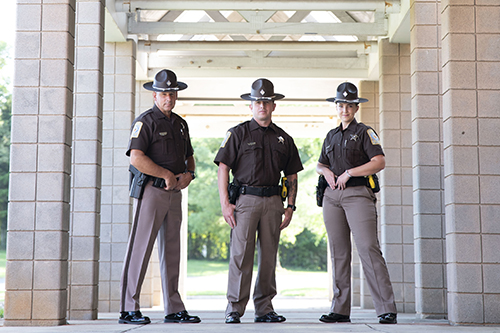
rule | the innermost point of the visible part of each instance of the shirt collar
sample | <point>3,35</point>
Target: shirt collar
<point>254,125</point>
<point>160,115</point>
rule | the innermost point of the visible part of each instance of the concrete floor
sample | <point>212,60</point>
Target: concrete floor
<point>302,316</point>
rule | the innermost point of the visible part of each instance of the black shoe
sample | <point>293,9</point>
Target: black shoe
<point>335,318</point>
<point>133,317</point>
<point>233,318</point>
<point>181,317</point>
<point>388,318</point>
<point>271,317</point>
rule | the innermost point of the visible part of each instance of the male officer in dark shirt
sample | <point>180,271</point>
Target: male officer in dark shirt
<point>350,153</point>
<point>256,151</point>
<point>159,147</point>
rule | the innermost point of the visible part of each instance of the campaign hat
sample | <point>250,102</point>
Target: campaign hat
<point>165,80</point>
<point>262,90</point>
<point>347,93</point>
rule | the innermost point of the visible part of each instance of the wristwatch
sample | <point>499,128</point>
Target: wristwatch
<point>293,207</point>
<point>192,174</point>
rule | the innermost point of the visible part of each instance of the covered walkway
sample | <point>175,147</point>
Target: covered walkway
<point>302,316</point>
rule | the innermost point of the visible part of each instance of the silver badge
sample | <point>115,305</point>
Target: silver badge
<point>354,137</point>
<point>281,140</point>
<point>262,92</point>
<point>345,93</point>
<point>169,83</point>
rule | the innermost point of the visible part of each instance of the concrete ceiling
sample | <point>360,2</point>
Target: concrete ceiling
<point>305,47</point>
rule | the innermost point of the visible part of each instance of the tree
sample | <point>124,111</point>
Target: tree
<point>5,107</point>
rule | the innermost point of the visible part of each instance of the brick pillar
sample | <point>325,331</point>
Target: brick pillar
<point>116,205</point>
<point>396,202</point>
<point>87,148</point>
<point>428,187</point>
<point>471,95</point>
<point>368,114</point>
<point>39,194</point>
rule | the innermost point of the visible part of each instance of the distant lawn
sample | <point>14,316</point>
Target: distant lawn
<point>3,262</point>
<point>205,267</point>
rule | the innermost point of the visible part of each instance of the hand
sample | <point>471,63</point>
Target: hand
<point>170,182</point>
<point>287,219</point>
<point>342,180</point>
<point>183,180</point>
<point>330,178</point>
<point>228,213</point>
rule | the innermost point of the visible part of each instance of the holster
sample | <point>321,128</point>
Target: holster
<point>320,190</point>
<point>137,182</point>
<point>233,191</point>
<point>373,183</point>
<point>284,188</point>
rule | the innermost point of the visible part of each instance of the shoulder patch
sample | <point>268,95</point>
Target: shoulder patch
<point>373,137</point>
<point>137,130</point>
<point>223,144</point>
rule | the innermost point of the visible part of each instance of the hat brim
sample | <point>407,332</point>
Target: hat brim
<point>248,97</point>
<point>336,100</point>
<point>180,86</point>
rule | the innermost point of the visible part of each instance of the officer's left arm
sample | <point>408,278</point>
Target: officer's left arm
<point>184,179</point>
<point>375,164</point>
<point>292,196</point>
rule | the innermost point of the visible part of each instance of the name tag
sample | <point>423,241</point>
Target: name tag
<point>162,133</point>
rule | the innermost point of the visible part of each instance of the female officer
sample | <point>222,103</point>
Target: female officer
<point>350,153</point>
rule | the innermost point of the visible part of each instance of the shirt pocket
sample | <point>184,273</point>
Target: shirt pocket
<point>355,156</point>
<point>167,140</point>
<point>253,154</point>
<point>280,156</point>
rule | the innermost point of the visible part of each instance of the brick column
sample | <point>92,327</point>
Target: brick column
<point>116,205</point>
<point>396,202</point>
<point>39,194</point>
<point>368,114</point>
<point>87,148</point>
<point>428,210</point>
<point>471,95</point>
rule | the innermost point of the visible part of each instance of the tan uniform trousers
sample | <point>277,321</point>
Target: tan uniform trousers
<point>261,215</point>
<point>157,213</point>
<point>353,210</point>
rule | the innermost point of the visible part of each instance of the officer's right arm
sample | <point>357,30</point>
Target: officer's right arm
<point>146,165</point>
<point>223,182</point>
<point>324,170</point>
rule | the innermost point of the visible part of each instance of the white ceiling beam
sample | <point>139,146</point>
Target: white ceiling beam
<point>359,47</point>
<point>156,61</point>
<point>259,28</point>
<point>387,6</point>
<point>299,72</point>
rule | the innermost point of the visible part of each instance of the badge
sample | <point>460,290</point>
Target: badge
<point>373,137</point>
<point>354,137</point>
<point>251,143</point>
<point>137,130</point>
<point>281,140</point>
<point>223,144</point>
<point>162,133</point>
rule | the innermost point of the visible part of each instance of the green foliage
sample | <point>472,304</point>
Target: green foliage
<point>5,108</point>
<point>308,252</point>
<point>209,233</point>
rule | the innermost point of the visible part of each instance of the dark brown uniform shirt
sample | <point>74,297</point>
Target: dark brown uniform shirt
<point>166,141</point>
<point>349,148</point>
<point>257,155</point>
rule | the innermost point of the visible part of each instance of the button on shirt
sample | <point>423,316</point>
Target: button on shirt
<point>257,155</point>
<point>166,141</point>
<point>349,148</point>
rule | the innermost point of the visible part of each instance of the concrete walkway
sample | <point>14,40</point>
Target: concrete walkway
<point>302,316</point>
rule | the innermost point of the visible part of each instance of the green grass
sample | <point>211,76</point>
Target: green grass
<point>205,267</point>
<point>3,262</point>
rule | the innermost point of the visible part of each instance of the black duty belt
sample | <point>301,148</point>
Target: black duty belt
<point>356,181</point>
<point>261,191</point>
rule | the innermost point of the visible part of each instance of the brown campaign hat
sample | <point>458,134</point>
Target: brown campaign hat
<point>347,93</point>
<point>262,90</point>
<point>165,80</point>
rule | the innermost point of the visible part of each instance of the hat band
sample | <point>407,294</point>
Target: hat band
<point>262,97</point>
<point>165,89</point>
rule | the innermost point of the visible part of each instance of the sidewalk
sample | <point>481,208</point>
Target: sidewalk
<point>302,316</point>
